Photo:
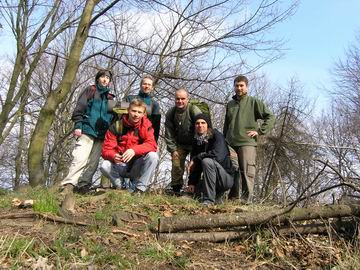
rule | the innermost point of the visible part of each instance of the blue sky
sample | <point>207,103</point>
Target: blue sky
<point>318,35</point>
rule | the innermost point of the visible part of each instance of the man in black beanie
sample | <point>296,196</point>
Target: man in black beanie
<point>210,156</point>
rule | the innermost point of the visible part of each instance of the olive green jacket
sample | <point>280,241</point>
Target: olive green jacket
<point>241,116</point>
<point>180,133</point>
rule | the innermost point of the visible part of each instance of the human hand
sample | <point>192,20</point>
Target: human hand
<point>128,155</point>
<point>252,133</point>
<point>175,155</point>
<point>117,159</point>
<point>190,189</point>
<point>77,132</point>
<point>190,166</point>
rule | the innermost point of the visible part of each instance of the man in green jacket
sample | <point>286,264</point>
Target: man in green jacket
<point>179,135</point>
<point>241,131</point>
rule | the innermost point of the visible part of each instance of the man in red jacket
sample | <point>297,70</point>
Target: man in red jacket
<point>131,149</point>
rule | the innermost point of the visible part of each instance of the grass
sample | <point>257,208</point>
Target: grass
<point>75,247</point>
<point>46,202</point>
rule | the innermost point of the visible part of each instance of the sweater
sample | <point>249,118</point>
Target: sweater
<point>242,116</point>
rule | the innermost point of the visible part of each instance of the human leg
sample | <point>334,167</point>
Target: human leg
<point>177,169</point>
<point>247,158</point>
<point>216,180</point>
<point>143,170</point>
<point>108,169</point>
<point>80,155</point>
<point>85,180</point>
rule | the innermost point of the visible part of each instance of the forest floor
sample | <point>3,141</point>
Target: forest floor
<point>36,241</point>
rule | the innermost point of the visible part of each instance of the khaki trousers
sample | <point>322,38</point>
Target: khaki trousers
<point>245,179</point>
<point>86,155</point>
<point>178,167</point>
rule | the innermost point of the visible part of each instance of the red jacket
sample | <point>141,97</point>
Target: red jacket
<point>142,143</point>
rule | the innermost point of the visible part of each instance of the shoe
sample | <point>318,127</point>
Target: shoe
<point>174,191</point>
<point>83,190</point>
<point>136,192</point>
<point>207,203</point>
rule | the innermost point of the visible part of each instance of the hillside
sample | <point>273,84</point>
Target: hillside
<point>42,241</point>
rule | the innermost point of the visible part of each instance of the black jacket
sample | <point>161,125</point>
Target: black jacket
<point>217,149</point>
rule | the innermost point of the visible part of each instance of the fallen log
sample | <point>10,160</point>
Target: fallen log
<point>245,233</point>
<point>47,217</point>
<point>177,224</point>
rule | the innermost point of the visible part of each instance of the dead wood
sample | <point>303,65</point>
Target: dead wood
<point>177,224</point>
<point>44,216</point>
<point>222,236</point>
<point>125,233</point>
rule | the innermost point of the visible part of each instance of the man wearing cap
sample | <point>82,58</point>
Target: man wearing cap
<point>130,151</point>
<point>210,157</point>
<point>92,116</point>
<point>241,130</point>
<point>179,134</point>
<point>152,106</point>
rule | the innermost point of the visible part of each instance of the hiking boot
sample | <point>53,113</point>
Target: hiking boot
<point>174,191</point>
<point>207,203</point>
<point>83,190</point>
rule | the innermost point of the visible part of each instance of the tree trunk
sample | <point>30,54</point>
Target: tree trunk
<point>21,143</point>
<point>47,113</point>
<point>176,224</point>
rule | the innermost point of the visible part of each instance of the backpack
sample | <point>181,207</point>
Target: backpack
<point>202,105</point>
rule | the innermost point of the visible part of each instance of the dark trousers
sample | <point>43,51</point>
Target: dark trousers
<point>216,180</point>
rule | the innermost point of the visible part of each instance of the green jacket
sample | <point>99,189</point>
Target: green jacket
<point>93,111</point>
<point>241,116</point>
<point>179,128</point>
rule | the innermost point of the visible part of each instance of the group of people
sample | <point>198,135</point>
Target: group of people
<point>128,142</point>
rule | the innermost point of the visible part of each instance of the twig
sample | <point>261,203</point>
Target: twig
<point>125,232</point>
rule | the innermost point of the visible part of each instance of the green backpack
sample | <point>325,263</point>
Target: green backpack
<point>202,105</point>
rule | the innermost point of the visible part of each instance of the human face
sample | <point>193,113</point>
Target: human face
<point>201,127</point>
<point>104,80</point>
<point>147,86</point>
<point>181,99</point>
<point>136,113</point>
<point>240,88</point>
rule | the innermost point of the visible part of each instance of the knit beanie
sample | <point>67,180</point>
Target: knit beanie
<point>101,73</point>
<point>205,117</point>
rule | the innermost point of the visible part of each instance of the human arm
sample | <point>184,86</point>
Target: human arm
<point>263,113</point>
<point>80,108</point>
<point>226,122</point>
<point>170,131</point>
<point>110,147</point>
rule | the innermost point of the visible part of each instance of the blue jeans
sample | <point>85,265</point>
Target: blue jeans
<point>140,172</point>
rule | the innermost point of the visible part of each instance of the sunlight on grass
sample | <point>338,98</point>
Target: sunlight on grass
<point>46,202</point>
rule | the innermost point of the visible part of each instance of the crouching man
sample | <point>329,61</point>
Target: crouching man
<point>210,157</point>
<point>129,149</point>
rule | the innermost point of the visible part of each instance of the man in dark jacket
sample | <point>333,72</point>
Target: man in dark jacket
<point>92,116</point>
<point>152,106</point>
<point>130,151</point>
<point>210,157</point>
